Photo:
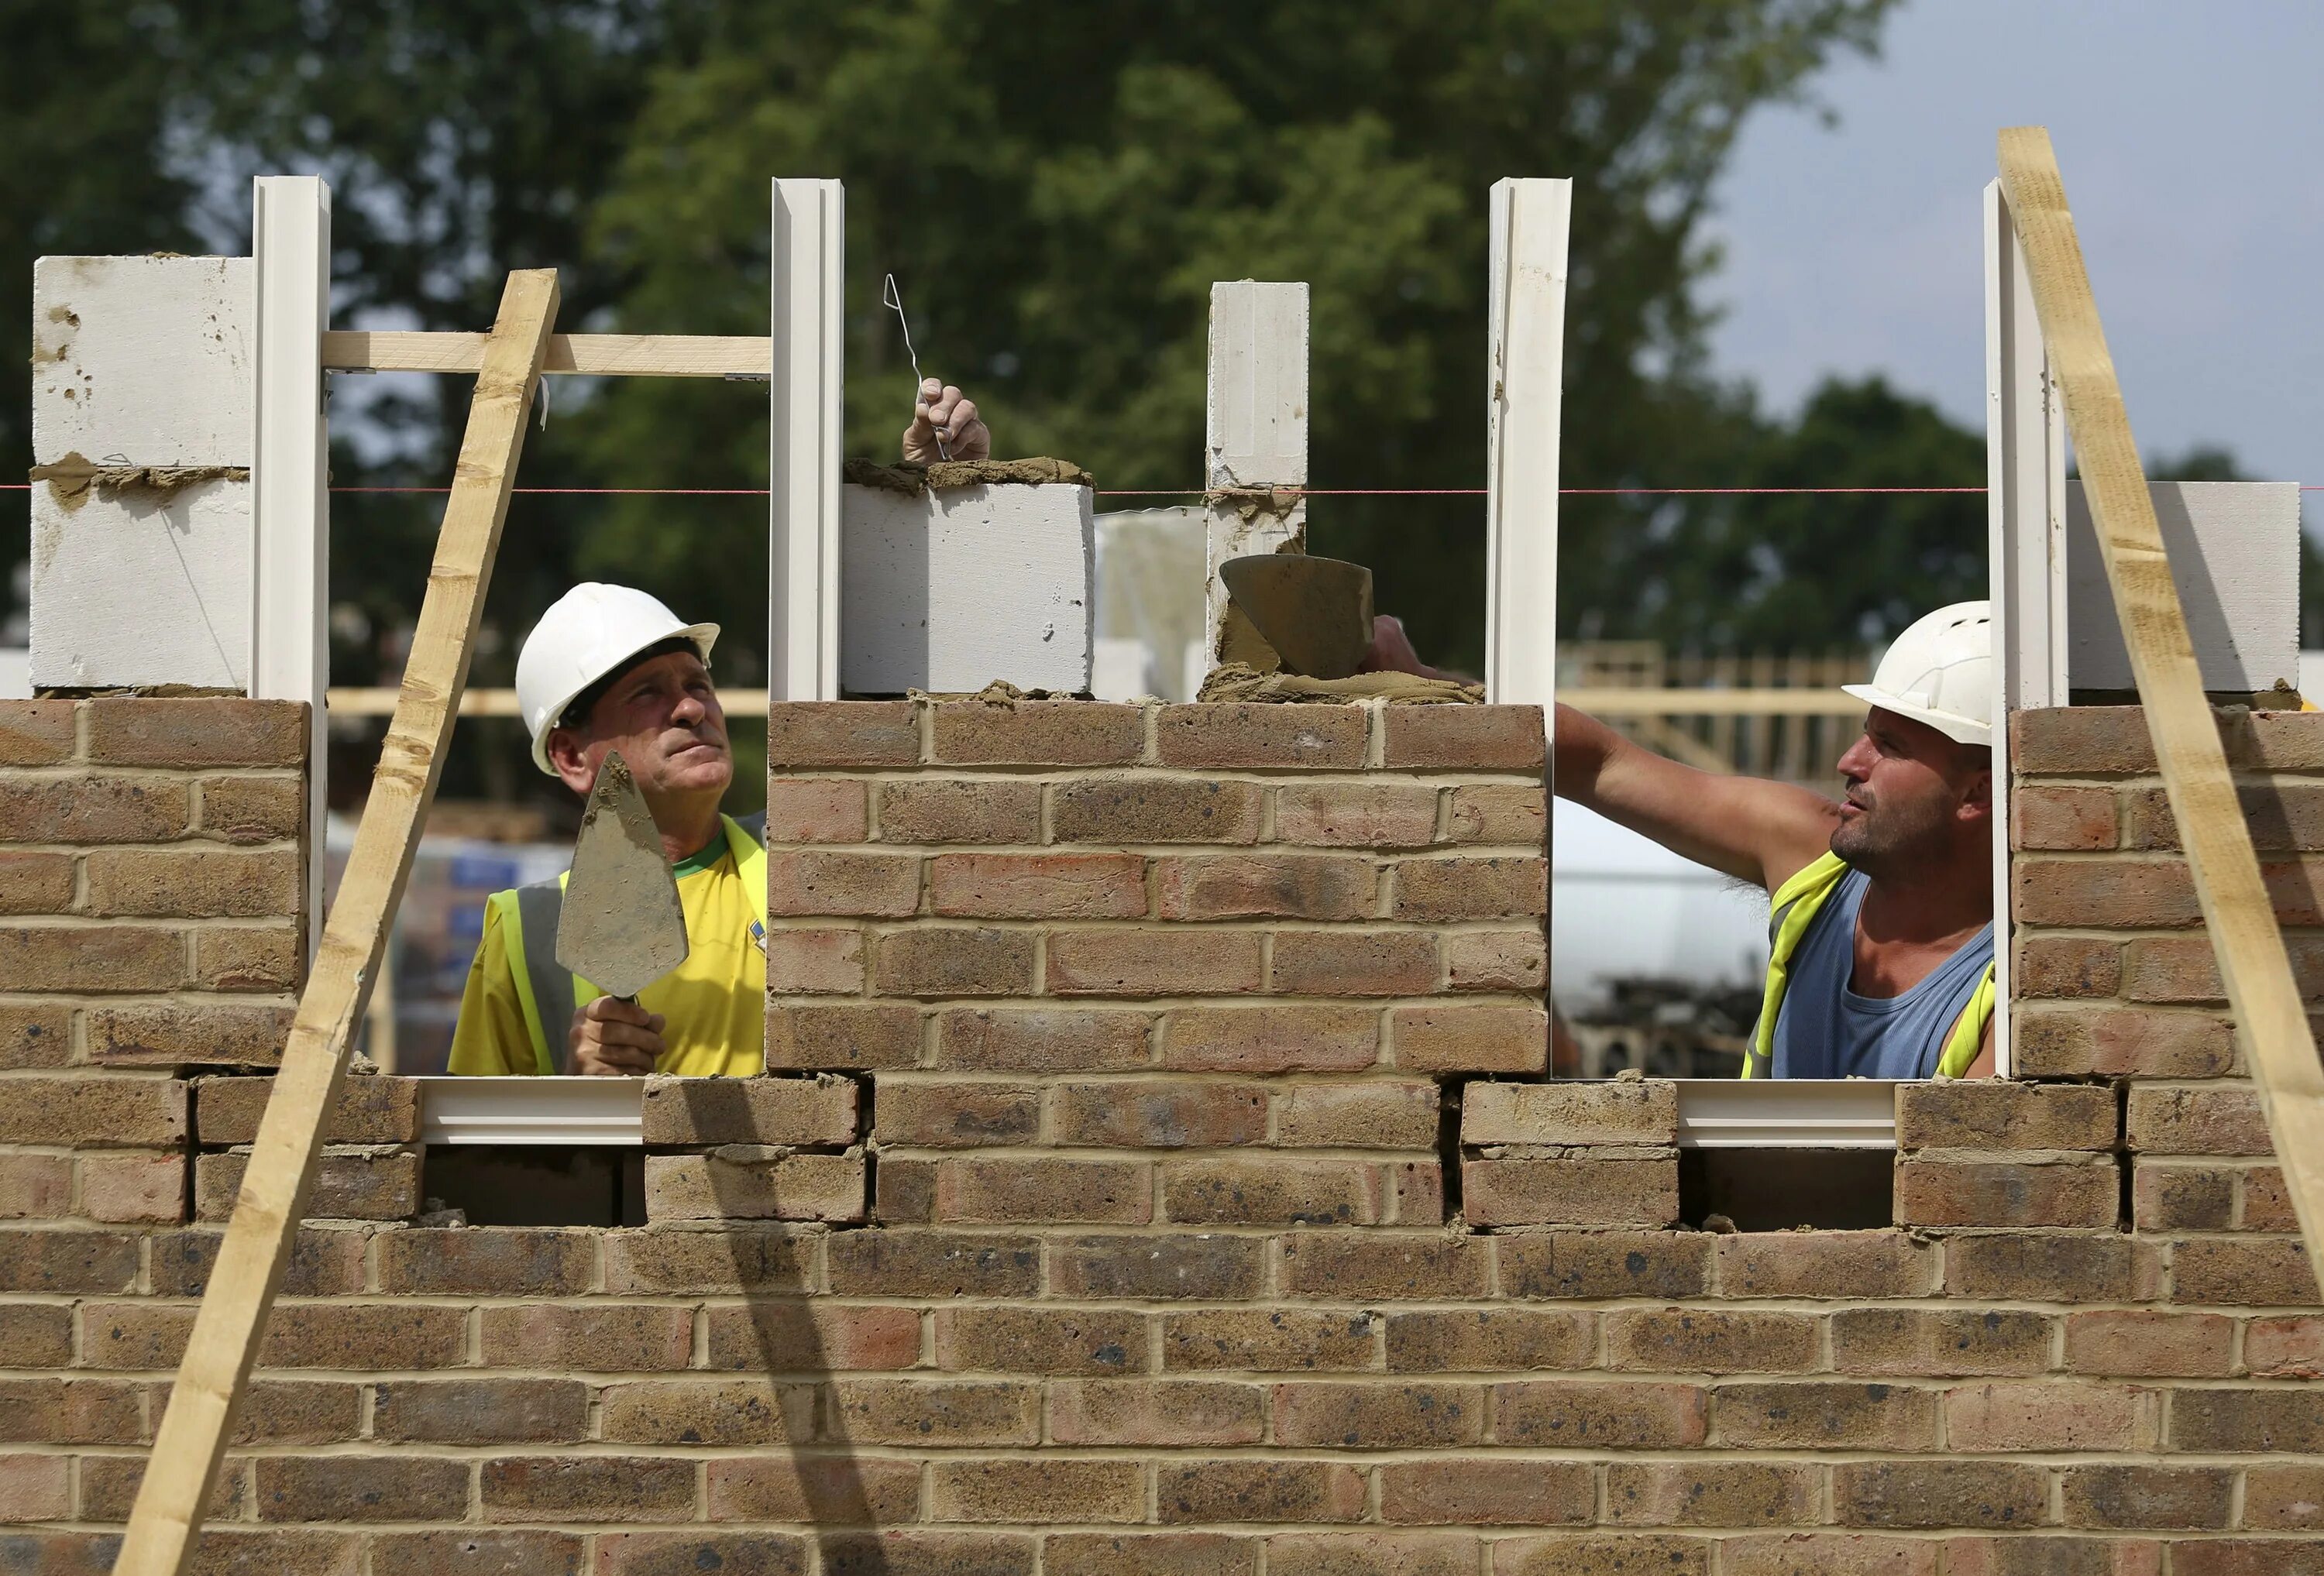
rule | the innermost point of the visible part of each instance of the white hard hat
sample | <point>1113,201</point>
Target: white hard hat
<point>590,632</point>
<point>1939,671</point>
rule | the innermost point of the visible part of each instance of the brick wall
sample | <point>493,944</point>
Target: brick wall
<point>1100,1283</point>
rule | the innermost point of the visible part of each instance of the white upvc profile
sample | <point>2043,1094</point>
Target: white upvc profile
<point>806,409</point>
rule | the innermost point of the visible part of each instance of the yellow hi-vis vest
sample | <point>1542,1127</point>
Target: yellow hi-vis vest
<point>547,990</point>
<point>1790,909</point>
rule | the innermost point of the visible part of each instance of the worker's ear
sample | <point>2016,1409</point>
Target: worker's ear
<point>570,757</point>
<point>1976,787</point>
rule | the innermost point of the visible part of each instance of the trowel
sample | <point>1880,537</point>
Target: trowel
<point>1316,612</point>
<point>622,927</point>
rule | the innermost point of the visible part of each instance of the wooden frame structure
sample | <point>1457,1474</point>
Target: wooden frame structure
<point>1531,222</point>
<point>2271,1019</point>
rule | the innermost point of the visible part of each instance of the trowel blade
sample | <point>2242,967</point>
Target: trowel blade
<point>622,927</point>
<point>1316,612</point>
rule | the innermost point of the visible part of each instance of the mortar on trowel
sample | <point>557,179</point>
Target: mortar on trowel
<point>623,926</point>
<point>1316,612</point>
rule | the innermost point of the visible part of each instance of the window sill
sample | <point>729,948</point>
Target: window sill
<point>532,1111</point>
<point>1748,1114</point>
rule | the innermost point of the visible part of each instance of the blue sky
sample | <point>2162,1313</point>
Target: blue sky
<point>2191,138</point>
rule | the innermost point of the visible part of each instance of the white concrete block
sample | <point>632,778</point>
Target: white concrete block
<point>947,591</point>
<point>143,361</point>
<point>138,588</point>
<point>2234,552</point>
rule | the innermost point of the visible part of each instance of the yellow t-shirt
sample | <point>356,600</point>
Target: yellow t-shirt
<point>713,1005</point>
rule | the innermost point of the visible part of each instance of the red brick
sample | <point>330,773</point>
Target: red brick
<point>810,962</point>
<point>1037,886</point>
<point>174,1033</point>
<point>1378,1414</point>
<point>1496,738</point>
<point>1496,960</point>
<point>1592,1414</point>
<point>134,1188</point>
<point>1272,1191</point>
<point>1394,1114</point>
<point>1847,1266</point>
<point>815,810</point>
<point>2247,1272</point>
<point>1262,735</point>
<point>1826,1417</point>
<point>1947,1341</point>
<point>847,732</point>
<point>1587,1191</point>
<point>2283,1421</point>
<point>1710,1494</point>
<point>368,1110</point>
<point>936,1264</point>
<point>2183,1198</point>
<point>2285,1349</point>
<point>35,883</point>
<point>1264,885</point>
<point>960,810</point>
<point>1938,1494</point>
<point>954,960</point>
<point>2033,1416</point>
<point>1038,1489</point>
<point>1131,810</point>
<point>1712,1340</point>
<point>1499,813</point>
<point>682,1553</point>
<point>378,1335</point>
<point>1943,1193</point>
<point>1470,1038</point>
<point>2198,1121</point>
<point>2043,1266</point>
<point>928,1553</point>
<point>2120,1495</point>
<point>1987,1114</point>
<point>1104,1341</point>
<point>1159,1115</point>
<point>2044,816</point>
<point>93,959</point>
<point>2281,816</point>
<point>841,1490</point>
<point>34,1036</point>
<point>1491,1340</point>
<point>2139,1344</point>
<point>754,1182</point>
<point>2135,1042</point>
<point>959,1115</point>
<point>1042,1040</point>
<point>208,730</point>
<point>1176,1265</point>
<point>706,1411</point>
<point>2066,966</point>
<point>841,1037</point>
<point>480,1411</point>
<point>1269,1341</point>
<point>1168,1553</point>
<point>939,1413</point>
<point>1258,1489</point>
<point>254,809</point>
<point>2116,892</point>
<point>809,1338</point>
<point>2286,1499</point>
<point>1480,1491</point>
<point>1599,1265</point>
<point>1436,891</point>
<point>489,1261</point>
<point>92,809</point>
<point>92,1111</point>
<point>1806,1554</point>
<point>998,1191</point>
<point>352,1182</point>
<point>2266,1201</point>
<point>586,1487</point>
<point>823,883</point>
<point>41,1335</point>
<point>1375,1265</point>
<point>36,732</point>
<point>2174,968</point>
<point>37,1186</point>
<point>1354,962</point>
<point>1172,1414</point>
<point>1038,732</point>
<point>1269,1039</point>
<point>362,1488</point>
<point>1412,1554</point>
<point>748,1110</point>
<point>2080,741</point>
<point>249,957</point>
<point>1356,815</point>
<point>1624,1111</point>
<point>35,1488</point>
<point>325,1261</point>
<point>528,1552</point>
<point>1154,962</point>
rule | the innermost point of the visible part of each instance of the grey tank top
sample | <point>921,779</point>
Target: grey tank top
<point>1826,1030</point>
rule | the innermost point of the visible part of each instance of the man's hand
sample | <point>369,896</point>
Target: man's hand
<point>613,1038</point>
<point>944,412</point>
<point>1391,650</point>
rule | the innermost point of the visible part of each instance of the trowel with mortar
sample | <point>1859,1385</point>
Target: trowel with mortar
<point>623,928</point>
<point>1316,612</point>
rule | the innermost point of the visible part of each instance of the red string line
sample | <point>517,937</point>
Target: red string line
<point>1199,493</point>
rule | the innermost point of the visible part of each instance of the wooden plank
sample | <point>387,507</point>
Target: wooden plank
<point>2270,1022</point>
<point>599,356</point>
<point>805,418</point>
<point>1255,439</point>
<point>193,1439</point>
<point>1530,222</point>
<point>290,475</point>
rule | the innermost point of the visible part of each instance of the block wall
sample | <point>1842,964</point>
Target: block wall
<point>1151,1330</point>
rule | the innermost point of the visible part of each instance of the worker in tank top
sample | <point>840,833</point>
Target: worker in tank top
<point>1881,904</point>
<point>609,668</point>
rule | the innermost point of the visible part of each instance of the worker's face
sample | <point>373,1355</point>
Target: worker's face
<point>663,716</point>
<point>1913,796</point>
